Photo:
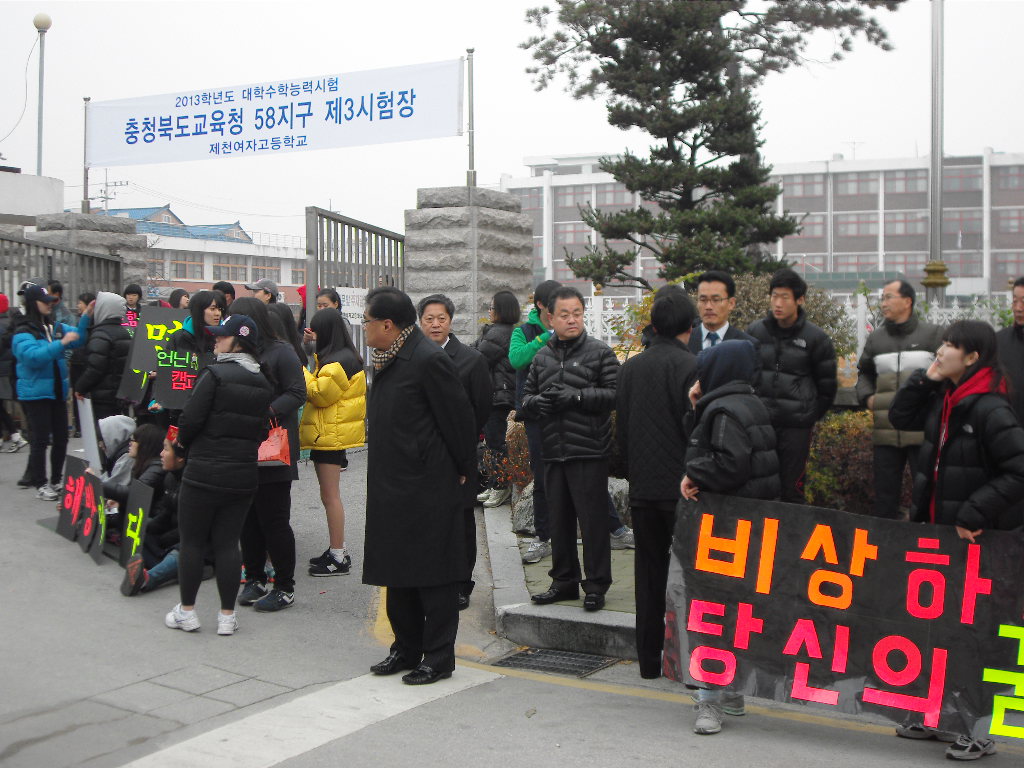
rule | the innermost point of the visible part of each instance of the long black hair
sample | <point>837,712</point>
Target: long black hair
<point>975,336</point>
<point>197,307</point>
<point>333,341</point>
<point>287,331</point>
<point>150,441</point>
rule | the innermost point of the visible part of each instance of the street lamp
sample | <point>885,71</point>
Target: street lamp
<point>42,23</point>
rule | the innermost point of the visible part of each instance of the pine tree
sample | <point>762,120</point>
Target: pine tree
<point>685,73</point>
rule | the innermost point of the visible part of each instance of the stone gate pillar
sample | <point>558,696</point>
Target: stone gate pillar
<point>468,243</point>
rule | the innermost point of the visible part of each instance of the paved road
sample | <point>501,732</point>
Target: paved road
<point>92,678</point>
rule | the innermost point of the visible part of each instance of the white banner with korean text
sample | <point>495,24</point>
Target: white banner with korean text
<point>422,101</point>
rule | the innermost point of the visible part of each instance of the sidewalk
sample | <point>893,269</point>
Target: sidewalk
<point>562,626</point>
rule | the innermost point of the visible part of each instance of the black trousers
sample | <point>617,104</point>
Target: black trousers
<point>793,444</point>
<point>469,534</point>
<point>578,491</point>
<point>494,437</point>
<point>889,462</point>
<point>652,530</point>
<point>210,521</point>
<point>425,621</point>
<point>268,532</point>
<point>535,441</point>
<point>47,425</point>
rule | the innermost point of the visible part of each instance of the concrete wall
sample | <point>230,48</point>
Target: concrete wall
<point>23,196</point>
<point>468,243</point>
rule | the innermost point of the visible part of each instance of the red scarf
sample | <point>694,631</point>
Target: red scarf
<point>977,384</point>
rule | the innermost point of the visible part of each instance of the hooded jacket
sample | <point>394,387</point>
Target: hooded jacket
<point>732,442</point>
<point>335,415</point>
<point>891,355</point>
<point>107,350</point>
<point>494,344</point>
<point>40,368</point>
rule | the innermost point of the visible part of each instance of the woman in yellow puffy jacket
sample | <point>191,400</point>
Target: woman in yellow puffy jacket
<point>334,420</point>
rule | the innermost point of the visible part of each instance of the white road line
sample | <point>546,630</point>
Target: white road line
<point>271,736</point>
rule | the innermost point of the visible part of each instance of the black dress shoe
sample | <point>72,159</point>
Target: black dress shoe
<point>395,662</point>
<point>593,602</point>
<point>554,595</point>
<point>463,602</point>
<point>424,675</point>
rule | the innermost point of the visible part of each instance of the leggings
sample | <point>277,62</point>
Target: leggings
<point>210,521</point>
<point>47,423</point>
<point>267,531</point>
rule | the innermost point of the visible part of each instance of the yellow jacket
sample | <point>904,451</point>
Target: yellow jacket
<point>335,415</point>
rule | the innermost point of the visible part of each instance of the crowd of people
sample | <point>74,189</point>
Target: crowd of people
<point>704,407</point>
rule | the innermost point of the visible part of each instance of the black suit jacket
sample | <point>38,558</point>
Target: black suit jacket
<point>475,376</point>
<point>697,337</point>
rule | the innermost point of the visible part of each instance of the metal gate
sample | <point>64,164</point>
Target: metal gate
<point>345,253</point>
<point>78,271</point>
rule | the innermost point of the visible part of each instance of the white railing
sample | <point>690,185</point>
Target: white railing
<point>277,240</point>
<point>602,312</point>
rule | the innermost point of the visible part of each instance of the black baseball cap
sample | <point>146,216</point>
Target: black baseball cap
<point>236,325</point>
<point>34,292</point>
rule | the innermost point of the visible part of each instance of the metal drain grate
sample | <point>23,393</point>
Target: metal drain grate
<point>557,662</point>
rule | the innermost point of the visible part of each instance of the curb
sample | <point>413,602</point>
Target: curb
<point>559,627</point>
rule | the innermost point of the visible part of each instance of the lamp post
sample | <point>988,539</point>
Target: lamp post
<point>42,23</point>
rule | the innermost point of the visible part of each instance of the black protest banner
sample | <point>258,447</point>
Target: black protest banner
<point>135,514</point>
<point>176,374</point>
<point>92,520</point>
<point>155,327</point>
<point>821,607</point>
<point>71,497</point>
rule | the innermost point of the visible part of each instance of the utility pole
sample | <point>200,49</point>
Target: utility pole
<point>42,22</point>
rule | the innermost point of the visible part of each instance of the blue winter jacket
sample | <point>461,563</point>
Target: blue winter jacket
<point>36,356</point>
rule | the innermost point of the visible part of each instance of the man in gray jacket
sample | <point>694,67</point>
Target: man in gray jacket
<point>892,353</point>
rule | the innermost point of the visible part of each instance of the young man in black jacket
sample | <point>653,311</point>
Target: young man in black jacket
<point>651,404</point>
<point>797,381</point>
<point>1011,350</point>
<point>571,387</point>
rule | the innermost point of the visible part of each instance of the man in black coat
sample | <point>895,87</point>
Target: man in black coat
<point>797,381</point>
<point>571,388</point>
<point>651,403</point>
<point>716,299</point>
<point>1010,342</point>
<point>420,452</point>
<point>436,314</point>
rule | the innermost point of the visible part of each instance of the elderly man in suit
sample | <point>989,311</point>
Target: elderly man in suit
<point>420,452</point>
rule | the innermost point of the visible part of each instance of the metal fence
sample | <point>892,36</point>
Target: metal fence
<point>78,271</point>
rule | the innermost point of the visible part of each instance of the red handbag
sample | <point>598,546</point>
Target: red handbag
<point>275,451</point>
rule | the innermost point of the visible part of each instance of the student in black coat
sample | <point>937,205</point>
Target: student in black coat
<point>436,314</point>
<point>421,451</point>
<point>106,354</point>
<point>267,530</point>
<point>651,405</point>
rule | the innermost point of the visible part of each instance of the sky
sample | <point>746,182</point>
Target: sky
<point>874,104</point>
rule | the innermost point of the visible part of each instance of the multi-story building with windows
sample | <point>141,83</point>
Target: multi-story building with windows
<point>859,219</point>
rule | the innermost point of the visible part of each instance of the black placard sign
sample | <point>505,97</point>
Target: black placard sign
<point>71,497</point>
<point>826,608</point>
<point>135,514</point>
<point>155,327</point>
<point>92,521</point>
<point>176,375</point>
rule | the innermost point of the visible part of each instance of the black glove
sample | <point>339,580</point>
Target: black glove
<point>562,397</point>
<point>538,406</point>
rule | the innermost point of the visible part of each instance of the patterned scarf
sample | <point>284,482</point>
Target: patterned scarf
<point>382,358</point>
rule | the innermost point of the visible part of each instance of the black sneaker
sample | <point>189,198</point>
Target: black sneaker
<point>331,567</point>
<point>135,577</point>
<point>26,483</point>
<point>321,558</point>
<point>275,600</point>
<point>251,592</point>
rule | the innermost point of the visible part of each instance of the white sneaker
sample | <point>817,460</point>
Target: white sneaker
<point>226,624</point>
<point>537,551</point>
<point>179,619</point>
<point>15,444</point>
<point>708,719</point>
<point>498,497</point>
<point>483,497</point>
<point>48,492</point>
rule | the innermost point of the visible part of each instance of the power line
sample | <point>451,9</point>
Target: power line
<point>24,103</point>
<point>176,199</point>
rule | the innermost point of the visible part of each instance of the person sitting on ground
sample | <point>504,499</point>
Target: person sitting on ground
<point>144,465</point>
<point>731,451</point>
<point>157,564</point>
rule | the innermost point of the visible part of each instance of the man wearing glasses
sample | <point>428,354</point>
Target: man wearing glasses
<point>901,345</point>
<point>716,299</point>
<point>1011,350</point>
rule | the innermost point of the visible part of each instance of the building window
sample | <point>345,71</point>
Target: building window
<point>531,198</point>
<point>166,218</point>
<point>572,196</point>
<point>1009,263</point>
<point>906,181</point>
<point>863,183</point>
<point>967,222</point>
<point>963,264</point>
<point>856,224</point>
<point>811,225</point>
<point>961,178</point>
<point>1008,176</point>
<point>298,271</point>
<point>907,263</point>
<point>230,268</point>
<point>266,267</point>
<point>614,194</point>
<point>856,262</point>
<point>187,266</point>
<point>804,185</point>
<point>903,223</point>
<point>155,264</point>
<point>574,233</point>
<point>1010,221</point>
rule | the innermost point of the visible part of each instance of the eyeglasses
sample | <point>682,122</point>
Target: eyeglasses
<point>367,320</point>
<point>711,299</point>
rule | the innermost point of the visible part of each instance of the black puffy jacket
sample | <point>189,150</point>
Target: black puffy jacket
<point>106,354</point>
<point>981,469</point>
<point>152,475</point>
<point>282,363</point>
<point>163,515</point>
<point>797,381</point>
<point>582,429</point>
<point>222,426</point>
<point>732,444</point>
<point>493,345</point>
